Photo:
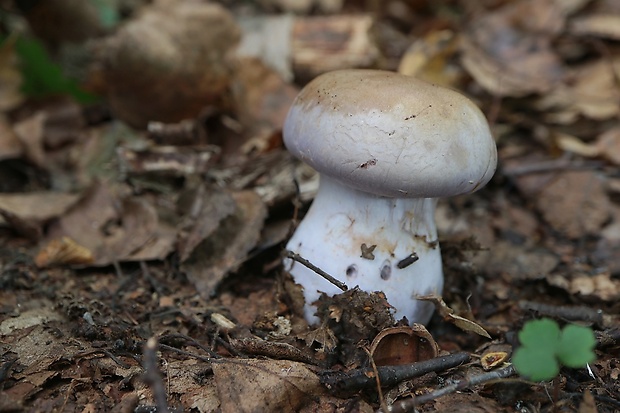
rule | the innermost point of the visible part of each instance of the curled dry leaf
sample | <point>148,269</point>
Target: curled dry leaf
<point>601,286</point>
<point>575,145</point>
<point>608,145</point>
<point>63,251</point>
<point>429,58</point>
<point>326,43</point>
<point>495,355</point>
<point>493,359</point>
<point>403,345</point>
<point>448,315</point>
<point>591,92</point>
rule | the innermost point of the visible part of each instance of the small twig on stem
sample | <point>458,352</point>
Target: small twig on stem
<point>152,377</point>
<point>408,405</point>
<point>388,376</point>
<point>306,263</point>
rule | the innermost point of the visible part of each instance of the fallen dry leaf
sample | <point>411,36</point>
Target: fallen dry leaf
<point>601,286</point>
<point>249,385</point>
<point>322,338</point>
<point>201,396</point>
<point>592,92</point>
<point>449,315</point>
<point>430,58</point>
<point>228,246</point>
<point>262,100</point>
<point>204,209</point>
<point>38,206</point>
<point>114,229</point>
<point>461,403</point>
<point>574,203</point>
<point>493,359</point>
<point>518,261</point>
<point>509,51</point>
<point>573,144</point>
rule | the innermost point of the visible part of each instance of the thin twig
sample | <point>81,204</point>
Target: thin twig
<point>408,405</point>
<point>356,380</point>
<point>377,378</point>
<point>152,376</point>
<point>570,313</point>
<point>306,263</point>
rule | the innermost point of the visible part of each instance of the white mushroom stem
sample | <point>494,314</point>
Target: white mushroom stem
<point>332,234</point>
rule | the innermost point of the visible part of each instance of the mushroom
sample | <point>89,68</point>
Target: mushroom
<point>386,147</point>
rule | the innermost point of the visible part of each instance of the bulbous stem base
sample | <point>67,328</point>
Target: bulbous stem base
<point>376,243</point>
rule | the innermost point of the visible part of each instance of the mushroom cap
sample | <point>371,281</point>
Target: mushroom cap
<point>391,135</point>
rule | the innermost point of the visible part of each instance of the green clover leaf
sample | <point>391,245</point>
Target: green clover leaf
<point>576,347</point>
<point>544,347</point>
<point>535,364</point>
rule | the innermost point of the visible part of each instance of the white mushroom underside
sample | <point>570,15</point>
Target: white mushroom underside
<point>331,235</point>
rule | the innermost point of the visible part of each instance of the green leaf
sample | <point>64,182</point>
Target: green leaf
<point>41,76</point>
<point>576,346</point>
<point>541,334</point>
<point>535,364</point>
<point>544,348</point>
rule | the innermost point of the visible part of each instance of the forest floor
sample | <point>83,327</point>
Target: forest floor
<point>142,232</point>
